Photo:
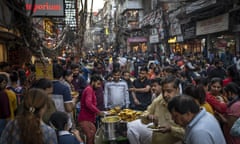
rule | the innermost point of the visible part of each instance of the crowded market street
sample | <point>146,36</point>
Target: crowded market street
<point>120,72</point>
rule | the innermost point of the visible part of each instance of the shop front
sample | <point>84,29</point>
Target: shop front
<point>191,44</point>
<point>221,42</point>
<point>137,44</point>
<point>7,40</point>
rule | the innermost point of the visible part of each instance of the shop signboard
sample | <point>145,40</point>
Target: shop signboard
<point>46,8</point>
<point>48,26</point>
<point>44,70</point>
<point>175,27</point>
<point>154,39</point>
<point>179,38</point>
<point>189,33</point>
<point>189,30</point>
<point>136,39</point>
<point>213,25</point>
<point>152,18</point>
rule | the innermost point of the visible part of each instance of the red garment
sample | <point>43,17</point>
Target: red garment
<point>89,108</point>
<point>226,81</point>
<point>232,111</point>
<point>215,103</point>
<point>27,73</point>
<point>89,130</point>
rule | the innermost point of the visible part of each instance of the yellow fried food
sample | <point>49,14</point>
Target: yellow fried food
<point>129,115</point>
<point>117,109</point>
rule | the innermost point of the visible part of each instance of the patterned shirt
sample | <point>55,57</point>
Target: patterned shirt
<point>49,135</point>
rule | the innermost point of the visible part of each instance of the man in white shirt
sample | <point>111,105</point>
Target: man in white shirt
<point>116,92</point>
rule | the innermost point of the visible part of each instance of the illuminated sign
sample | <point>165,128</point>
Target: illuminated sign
<point>48,26</point>
<point>172,40</point>
<point>136,39</point>
<point>46,8</point>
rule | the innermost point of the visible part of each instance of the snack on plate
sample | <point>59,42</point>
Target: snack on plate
<point>125,114</point>
<point>112,112</point>
<point>129,115</point>
<point>117,109</point>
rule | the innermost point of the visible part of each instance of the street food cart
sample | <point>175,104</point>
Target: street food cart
<point>113,127</point>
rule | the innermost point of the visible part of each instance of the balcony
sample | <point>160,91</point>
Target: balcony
<point>131,5</point>
<point>133,25</point>
<point>132,18</point>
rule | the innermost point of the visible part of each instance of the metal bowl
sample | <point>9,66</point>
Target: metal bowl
<point>111,119</point>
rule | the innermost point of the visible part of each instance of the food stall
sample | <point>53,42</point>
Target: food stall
<point>113,127</point>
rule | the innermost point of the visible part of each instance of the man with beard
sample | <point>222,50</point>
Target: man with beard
<point>157,116</point>
<point>98,69</point>
<point>61,94</point>
<point>218,71</point>
<point>89,110</point>
<point>141,91</point>
<point>78,81</point>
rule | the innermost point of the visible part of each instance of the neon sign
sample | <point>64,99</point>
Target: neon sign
<point>46,8</point>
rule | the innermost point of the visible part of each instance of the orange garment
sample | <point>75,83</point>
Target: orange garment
<point>151,74</point>
<point>208,107</point>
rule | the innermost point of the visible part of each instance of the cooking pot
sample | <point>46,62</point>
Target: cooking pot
<point>110,124</point>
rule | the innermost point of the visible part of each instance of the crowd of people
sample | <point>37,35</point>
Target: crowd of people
<point>184,99</point>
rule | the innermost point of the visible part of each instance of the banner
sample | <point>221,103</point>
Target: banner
<point>45,8</point>
<point>213,25</point>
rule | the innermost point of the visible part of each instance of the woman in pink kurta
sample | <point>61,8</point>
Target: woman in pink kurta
<point>231,91</point>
